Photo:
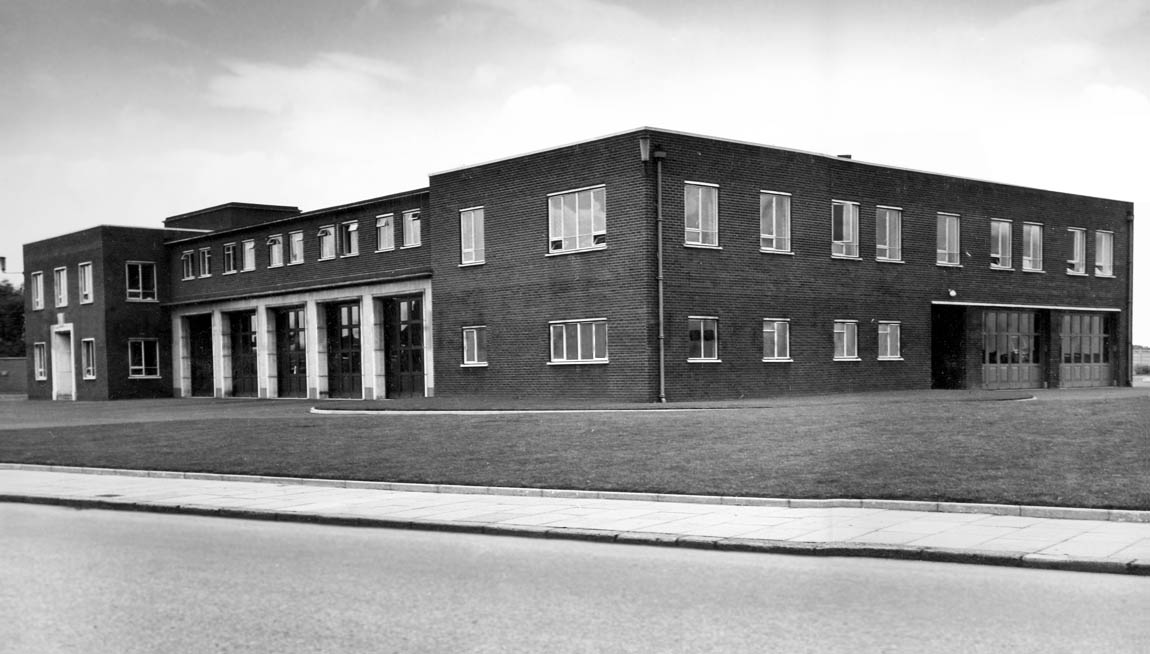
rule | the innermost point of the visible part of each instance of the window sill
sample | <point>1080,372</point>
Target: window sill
<point>145,377</point>
<point>941,264</point>
<point>704,360</point>
<point>900,261</point>
<point>783,252</point>
<point>41,379</point>
<point>846,257</point>
<point>1028,270</point>
<point>408,247</point>
<point>91,378</point>
<point>1006,268</point>
<point>86,301</point>
<point>205,276</point>
<point>275,265</point>
<point>390,249</point>
<point>890,359</point>
<point>787,360</point>
<point>248,270</point>
<point>230,272</point>
<point>1074,273</point>
<point>596,362</point>
<point>142,300</point>
<point>186,279</point>
<point>348,256</point>
<point>702,246</point>
<point>473,365</point>
<point>473,263</point>
<point>560,253</point>
<point>331,258</point>
<point>295,263</point>
<point>847,359</point>
<point>1105,276</point>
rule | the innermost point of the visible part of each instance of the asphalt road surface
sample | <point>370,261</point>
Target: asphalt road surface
<point>97,581</point>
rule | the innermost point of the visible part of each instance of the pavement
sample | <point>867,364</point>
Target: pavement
<point>1088,540</point>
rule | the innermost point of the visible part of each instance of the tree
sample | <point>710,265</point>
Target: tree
<point>11,320</point>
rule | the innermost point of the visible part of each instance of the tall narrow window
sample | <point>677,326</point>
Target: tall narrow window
<point>229,258</point>
<point>326,236</point>
<point>188,265</point>
<point>88,357</point>
<point>141,281</point>
<point>577,220</point>
<point>1031,246</point>
<point>889,340</point>
<point>40,360</point>
<point>205,262</point>
<point>84,275</point>
<point>846,339</point>
<point>275,251</point>
<point>60,286</point>
<point>844,229</point>
<point>888,234</point>
<point>475,346</point>
<point>1000,246</point>
<point>412,232</point>
<point>774,221</point>
<point>143,357</point>
<point>776,339</point>
<point>1104,254</point>
<point>948,239</point>
<point>249,254</point>
<point>579,341</point>
<point>37,291</point>
<point>295,248</point>
<point>471,236</point>
<point>701,214</point>
<point>702,339</point>
<point>349,238</point>
<point>385,232</point>
<point>1076,262</point>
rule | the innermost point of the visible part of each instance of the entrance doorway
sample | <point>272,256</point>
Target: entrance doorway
<point>201,356</point>
<point>344,350</point>
<point>63,378</point>
<point>245,378</point>
<point>1085,350</point>
<point>291,352</point>
<point>403,329</point>
<point>1011,354</point>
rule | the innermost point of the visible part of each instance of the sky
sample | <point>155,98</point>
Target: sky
<point>125,112</point>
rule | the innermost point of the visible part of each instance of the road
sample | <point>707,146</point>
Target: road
<point>97,581</point>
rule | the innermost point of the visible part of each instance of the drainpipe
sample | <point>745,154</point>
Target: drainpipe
<point>659,156</point>
<point>1130,297</point>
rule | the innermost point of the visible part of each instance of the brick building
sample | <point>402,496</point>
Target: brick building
<point>690,267</point>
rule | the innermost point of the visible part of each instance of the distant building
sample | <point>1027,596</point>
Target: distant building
<point>543,275</point>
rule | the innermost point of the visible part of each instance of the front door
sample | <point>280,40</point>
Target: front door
<point>200,353</point>
<point>403,327</point>
<point>291,352</point>
<point>344,350</point>
<point>245,379</point>
<point>63,382</point>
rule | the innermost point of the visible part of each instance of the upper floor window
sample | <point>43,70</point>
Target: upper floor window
<point>947,241</point>
<point>349,238</point>
<point>1104,254</point>
<point>701,214</point>
<point>702,338</point>
<point>579,341</point>
<point>846,339</point>
<point>143,357</point>
<point>275,251</point>
<point>1076,264</point>
<point>40,361</point>
<point>577,220</point>
<point>249,255</point>
<point>1000,246</point>
<point>295,248</point>
<point>411,229</point>
<point>188,265</point>
<point>326,237</point>
<point>141,277</point>
<point>774,221</point>
<point>889,340</point>
<point>475,346</point>
<point>471,236</point>
<point>88,358</point>
<point>84,275</point>
<point>1031,246</point>
<point>844,229</point>
<point>37,290</point>
<point>776,339</point>
<point>229,258</point>
<point>60,284</point>
<point>385,232</point>
<point>888,234</point>
<point>205,262</point>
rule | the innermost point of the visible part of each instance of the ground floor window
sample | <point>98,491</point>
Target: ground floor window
<point>702,338</point>
<point>776,340</point>
<point>475,346</point>
<point>889,336</point>
<point>40,360</point>
<point>143,357</point>
<point>579,341</point>
<point>846,339</point>
<point>88,357</point>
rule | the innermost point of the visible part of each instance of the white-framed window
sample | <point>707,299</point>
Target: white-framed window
<point>141,281</point>
<point>248,255</point>
<point>774,221</point>
<point>948,239</point>
<point>889,340</point>
<point>888,233</point>
<point>143,358</point>
<point>40,360</point>
<point>471,245</point>
<point>475,345</point>
<point>1104,254</point>
<point>412,236</point>
<point>188,265</point>
<point>385,232</point>
<point>37,283</point>
<point>88,358</point>
<point>701,214</point>
<point>702,339</point>
<point>579,341</point>
<point>275,251</point>
<point>295,248</point>
<point>205,262</point>
<point>577,220</point>
<point>84,278</point>
<point>846,340</point>
<point>60,286</point>
<point>1076,263</point>
<point>776,339</point>
<point>326,237</point>
<point>229,258</point>
<point>1000,245</point>
<point>1032,246</point>
<point>349,238</point>
<point>844,229</point>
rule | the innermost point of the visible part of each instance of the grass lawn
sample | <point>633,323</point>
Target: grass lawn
<point>1066,452</point>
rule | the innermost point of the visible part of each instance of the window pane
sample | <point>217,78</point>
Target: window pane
<point>571,342</point>
<point>783,339</point>
<point>481,345</point>
<point>691,207</point>
<point>694,338</point>
<point>601,340</point>
<point>838,229</point>
<point>557,343</point>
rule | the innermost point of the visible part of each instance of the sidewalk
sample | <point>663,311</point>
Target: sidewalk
<point>1069,539</point>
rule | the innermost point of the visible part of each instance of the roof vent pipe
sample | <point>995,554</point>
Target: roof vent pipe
<point>844,156</point>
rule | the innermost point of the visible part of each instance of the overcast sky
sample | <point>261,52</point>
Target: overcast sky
<point>127,111</point>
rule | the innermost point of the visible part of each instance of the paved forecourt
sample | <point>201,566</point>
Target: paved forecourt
<point>1040,537</point>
